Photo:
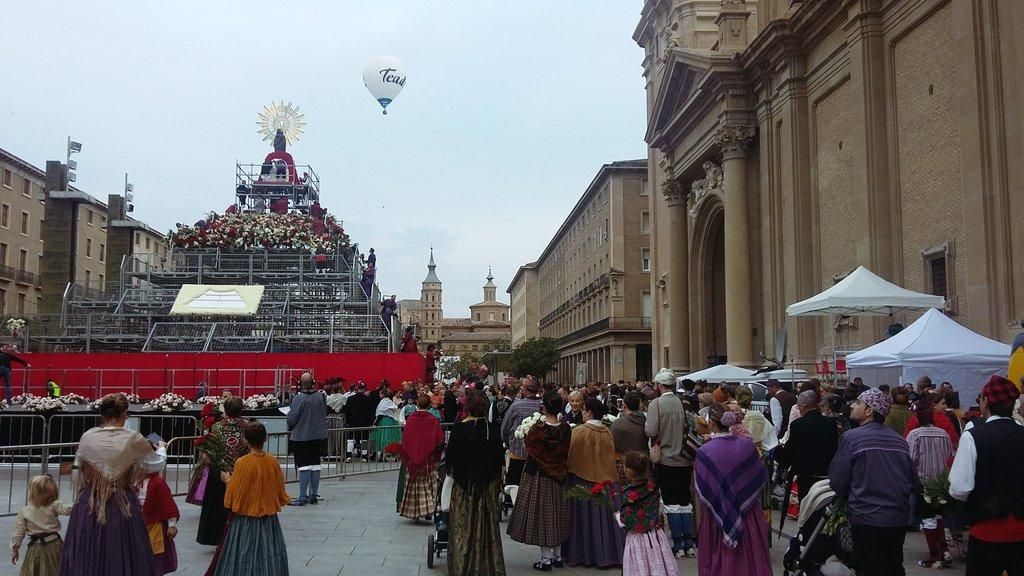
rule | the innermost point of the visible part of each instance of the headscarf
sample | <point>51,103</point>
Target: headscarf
<point>879,401</point>
<point>665,377</point>
<point>422,438</point>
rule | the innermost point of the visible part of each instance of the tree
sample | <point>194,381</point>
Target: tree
<point>536,356</point>
<point>501,362</point>
<point>466,364</point>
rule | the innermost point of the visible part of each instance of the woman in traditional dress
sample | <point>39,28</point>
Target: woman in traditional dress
<point>386,429</point>
<point>648,552</point>
<point>475,457</point>
<point>732,537</point>
<point>254,543</point>
<point>541,514</point>
<point>574,415</point>
<point>214,516</point>
<point>422,440</point>
<point>106,534</point>
<point>594,536</point>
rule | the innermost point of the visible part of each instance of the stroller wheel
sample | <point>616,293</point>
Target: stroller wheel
<point>430,551</point>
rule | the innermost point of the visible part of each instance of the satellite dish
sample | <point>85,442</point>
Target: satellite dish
<point>384,77</point>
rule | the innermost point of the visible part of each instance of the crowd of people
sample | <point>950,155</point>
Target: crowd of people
<point>637,475</point>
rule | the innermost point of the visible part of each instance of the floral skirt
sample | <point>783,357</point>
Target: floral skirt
<point>648,554</point>
<point>474,543</point>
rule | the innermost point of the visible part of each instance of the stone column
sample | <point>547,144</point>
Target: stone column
<point>678,273</point>
<point>735,140</point>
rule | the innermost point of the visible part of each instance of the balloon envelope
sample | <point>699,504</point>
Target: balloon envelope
<point>384,77</point>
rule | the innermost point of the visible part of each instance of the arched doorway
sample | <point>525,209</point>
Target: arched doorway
<point>708,283</point>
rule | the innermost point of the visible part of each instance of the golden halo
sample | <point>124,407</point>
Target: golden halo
<point>284,117</point>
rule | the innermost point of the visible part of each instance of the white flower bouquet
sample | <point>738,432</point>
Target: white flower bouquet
<point>21,398</point>
<point>169,402</point>
<point>261,402</point>
<point>72,398</point>
<point>43,404</point>
<point>14,326</point>
<point>209,400</point>
<point>527,423</point>
<point>3,404</point>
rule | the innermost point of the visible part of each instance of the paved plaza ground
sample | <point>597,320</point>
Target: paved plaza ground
<point>355,530</point>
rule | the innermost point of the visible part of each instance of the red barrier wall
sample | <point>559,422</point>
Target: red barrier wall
<point>151,374</point>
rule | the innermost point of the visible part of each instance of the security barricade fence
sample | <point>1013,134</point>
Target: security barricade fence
<point>346,452</point>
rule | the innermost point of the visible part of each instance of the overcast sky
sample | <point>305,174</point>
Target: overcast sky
<point>509,110</point>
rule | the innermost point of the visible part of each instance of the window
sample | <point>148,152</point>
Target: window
<point>5,216</point>
<point>23,260</point>
<point>101,281</point>
<point>478,316</point>
<point>3,254</point>
<point>504,317</point>
<point>21,303</point>
<point>27,187</point>
<point>88,216</point>
<point>645,259</point>
<point>147,243</point>
<point>475,347</point>
<point>88,277</point>
<point>24,223</point>
<point>939,277</point>
<point>88,247</point>
<point>646,306</point>
<point>103,251</point>
<point>645,222</point>
<point>491,316</point>
<point>645,187</point>
<point>3,301</point>
<point>8,178</point>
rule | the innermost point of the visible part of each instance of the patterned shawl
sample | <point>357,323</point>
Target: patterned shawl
<point>111,460</point>
<point>730,477</point>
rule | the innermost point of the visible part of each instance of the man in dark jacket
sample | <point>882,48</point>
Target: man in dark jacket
<point>358,411</point>
<point>813,439</point>
<point>6,357</point>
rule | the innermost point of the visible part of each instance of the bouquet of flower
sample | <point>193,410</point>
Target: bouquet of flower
<point>935,491</point>
<point>259,231</point>
<point>528,423</point>
<point>261,402</point>
<point>133,398</point>
<point>168,402</point>
<point>3,404</point>
<point>72,398</point>
<point>21,398</point>
<point>209,400</point>
<point>42,404</point>
<point>14,326</point>
<point>600,493</point>
<point>213,448</point>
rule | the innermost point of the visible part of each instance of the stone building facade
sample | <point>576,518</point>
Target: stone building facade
<point>523,297</point>
<point>592,287</point>
<point>790,142</point>
<point>76,245</point>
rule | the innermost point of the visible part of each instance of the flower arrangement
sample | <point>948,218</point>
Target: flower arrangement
<point>21,398</point>
<point>72,398</point>
<point>600,493</point>
<point>3,404</point>
<point>212,448</point>
<point>528,423</point>
<point>168,402</point>
<point>260,231</point>
<point>208,400</point>
<point>132,399</point>
<point>14,326</point>
<point>935,491</point>
<point>43,404</point>
<point>261,402</point>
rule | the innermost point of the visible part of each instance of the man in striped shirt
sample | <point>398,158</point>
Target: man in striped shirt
<point>932,452</point>
<point>873,472</point>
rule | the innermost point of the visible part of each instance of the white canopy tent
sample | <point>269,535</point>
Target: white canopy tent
<point>936,346</point>
<point>720,373</point>
<point>862,293</point>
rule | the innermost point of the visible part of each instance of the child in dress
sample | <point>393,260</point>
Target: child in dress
<point>160,514</point>
<point>39,521</point>
<point>647,552</point>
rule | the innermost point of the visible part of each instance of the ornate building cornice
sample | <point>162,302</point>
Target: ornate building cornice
<point>675,192</point>
<point>735,140</point>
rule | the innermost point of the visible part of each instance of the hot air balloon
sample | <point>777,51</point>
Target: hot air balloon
<point>384,77</point>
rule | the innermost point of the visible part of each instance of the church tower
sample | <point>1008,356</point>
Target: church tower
<point>430,304</point>
<point>490,290</point>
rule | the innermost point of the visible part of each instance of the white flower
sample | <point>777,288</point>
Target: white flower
<point>928,499</point>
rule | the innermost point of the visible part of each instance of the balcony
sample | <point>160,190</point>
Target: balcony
<point>623,324</point>
<point>19,276</point>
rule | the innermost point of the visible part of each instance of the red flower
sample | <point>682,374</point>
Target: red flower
<point>639,528</point>
<point>209,421</point>
<point>632,495</point>
<point>199,441</point>
<point>640,514</point>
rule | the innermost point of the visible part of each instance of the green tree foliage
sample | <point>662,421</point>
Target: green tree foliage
<point>536,356</point>
<point>464,366</point>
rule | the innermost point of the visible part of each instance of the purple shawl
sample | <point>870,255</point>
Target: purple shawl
<point>730,477</point>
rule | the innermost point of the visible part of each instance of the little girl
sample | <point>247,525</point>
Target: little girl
<point>39,521</point>
<point>647,552</point>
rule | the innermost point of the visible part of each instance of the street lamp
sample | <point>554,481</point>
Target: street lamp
<point>73,148</point>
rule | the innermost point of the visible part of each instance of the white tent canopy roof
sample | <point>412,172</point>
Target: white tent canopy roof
<point>862,293</point>
<point>720,373</point>
<point>936,346</point>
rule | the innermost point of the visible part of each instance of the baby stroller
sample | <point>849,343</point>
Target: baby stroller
<point>438,541</point>
<point>811,551</point>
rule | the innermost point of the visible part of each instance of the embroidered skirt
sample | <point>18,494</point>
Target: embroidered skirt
<point>118,547</point>
<point>541,513</point>
<point>253,547</point>
<point>419,496</point>
<point>42,558</point>
<point>648,554</point>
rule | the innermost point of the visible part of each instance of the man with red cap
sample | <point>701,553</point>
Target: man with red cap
<point>988,474</point>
